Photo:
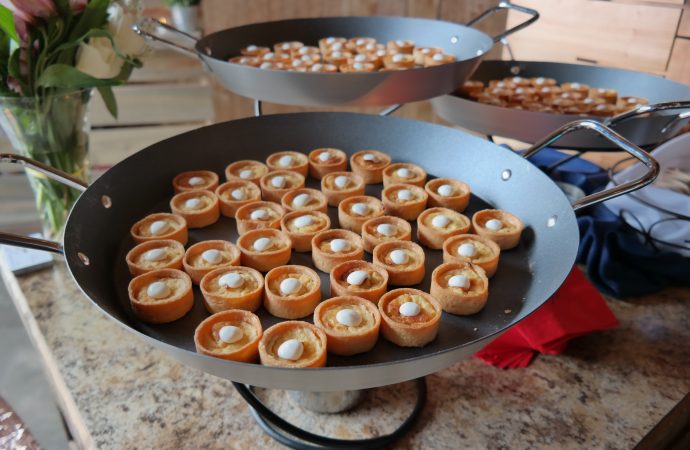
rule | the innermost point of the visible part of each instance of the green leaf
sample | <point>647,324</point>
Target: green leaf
<point>7,23</point>
<point>109,99</point>
<point>68,77</point>
<point>94,16</point>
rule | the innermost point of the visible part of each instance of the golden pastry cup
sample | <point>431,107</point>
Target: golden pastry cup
<point>409,210</point>
<point>407,47</point>
<point>371,172</point>
<point>246,60</point>
<point>137,269</point>
<point>458,201</point>
<point>369,58</point>
<point>318,169</point>
<point>397,276</point>
<point>301,241</point>
<point>232,171</point>
<point>420,53</point>
<point>339,286</point>
<point>365,67</point>
<point>432,237</point>
<point>258,51</point>
<point>390,178</point>
<point>354,222</point>
<point>506,239</point>
<point>245,223</point>
<point>164,310</point>
<point>264,261</point>
<point>317,203</point>
<point>268,345</point>
<point>293,180</point>
<point>455,300</point>
<point>215,302</point>
<point>489,264</point>
<point>228,205</point>
<point>334,195</point>
<point>409,334</point>
<point>324,261</point>
<point>179,232</point>
<point>354,341</point>
<point>198,218</point>
<point>181,181</point>
<point>371,239</point>
<point>197,273</point>
<point>429,60</point>
<point>300,166</point>
<point>292,307</point>
<point>249,352</point>
<point>390,64</point>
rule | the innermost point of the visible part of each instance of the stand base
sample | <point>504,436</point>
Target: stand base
<point>327,402</point>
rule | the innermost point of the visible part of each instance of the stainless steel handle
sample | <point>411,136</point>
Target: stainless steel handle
<point>507,5</point>
<point>614,138</point>
<point>50,172</point>
<point>146,28</point>
<point>651,109</point>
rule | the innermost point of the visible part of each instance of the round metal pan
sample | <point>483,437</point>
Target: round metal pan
<point>528,126</point>
<point>97,234</point>
<point>467,44</point>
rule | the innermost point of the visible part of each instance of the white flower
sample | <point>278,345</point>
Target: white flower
<point>120,25</point>
<point>98,59</point>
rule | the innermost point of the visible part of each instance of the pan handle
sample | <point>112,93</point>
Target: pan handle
<point>50,172</point>
<point>650,109</point>
<point>619,141</point>
<point>147,26</point>
<point>507,5</point>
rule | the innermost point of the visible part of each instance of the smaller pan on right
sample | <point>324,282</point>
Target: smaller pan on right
<point>646,131</point>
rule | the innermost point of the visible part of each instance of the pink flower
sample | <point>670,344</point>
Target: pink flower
<point>34,8</point>
<point>77,5</point>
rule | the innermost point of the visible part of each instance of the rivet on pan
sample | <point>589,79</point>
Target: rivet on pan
<point>515,70</point>
<point>106,201</point>
<point>551,221</point>
<point>506,174</point>
<point>84,259</point>
<point>454,39</point>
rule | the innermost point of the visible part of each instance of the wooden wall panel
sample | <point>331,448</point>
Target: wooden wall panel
<point>679,65</point>
<point>684,26</point>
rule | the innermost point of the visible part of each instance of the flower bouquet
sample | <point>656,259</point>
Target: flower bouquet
<point>53,53</point>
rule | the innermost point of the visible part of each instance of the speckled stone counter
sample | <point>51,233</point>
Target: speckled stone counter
<point>607,391</point>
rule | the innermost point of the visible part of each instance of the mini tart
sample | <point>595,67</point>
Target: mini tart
<point>406,331</point>
<point>371,288</point>
<point>248,219</point>
<point>398,61</point>
<point>206,213</point>
<point>325,259</point>
<point>253,50</point>
<point>354,211</point>
<point>276,254</point>
<point>301,236</point>
<point>326,43</point>
<point>272,192</point>
<point>293,161</point>
<point>456,299</point>
<point>420,53</point>
<point>323,161</point>
<point>397,204</point>
<point>167,254</point>
<point>358,66</point>
<point>235,193</point>
<point>161,310</point>
<point>394,174</point>
<point>487,252</point>
<point>369,164</point>
<point>313,340</point>
<point>334,193</point>
<point>438,59</point>
<point>324,68</point>
<point>246,60</point>
<point>313,200</point>
<point>385,229</point>
<point>196,179</point>
<point>508,236</point>
<point>410,272</point>
<point>155,227</point>
<point>337,57</point>
<point>295,305</point>
<point>219,296</point>
<point>287,47</point>
<point>246,349</point>
<point>459,193</point>
<point>435,225</point>
<point>197,263</point>
<point>401,46</point>
<point>348,339</point>
<point>247,169</point>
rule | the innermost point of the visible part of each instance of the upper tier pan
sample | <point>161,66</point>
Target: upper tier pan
<point>467,44</point>
<point>644,130</point>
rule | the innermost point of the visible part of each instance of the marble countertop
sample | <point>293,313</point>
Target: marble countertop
<point>607,391</point>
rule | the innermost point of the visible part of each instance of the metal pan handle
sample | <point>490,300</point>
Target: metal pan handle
<point>50,172</point>
<point>651,109</point>
<point>507,5</point>
<point>147,26</point>
<point>614,138</point>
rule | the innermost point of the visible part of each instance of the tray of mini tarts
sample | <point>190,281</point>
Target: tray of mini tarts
<point>435,225</point>
<point>159,226</point>
<point>461,288</point>
<point>403,260</point>
<point>323,161</point>
<point>501,227</point>
<point>199,208</point>
<point>473,248</point>
<point>359,278</point>
<point>235,287</point>
<point>448,193</point>
<point>383,229</point>
<point>277,183</point>
<point>161,296</point>
<point>370,164</point>
<point>337,186</point>
<point>234,194</point>
<point>157,254</point>
<point>288,160</point>
<point>351,324</point>
<point>292,291</point>
<point>264,249</point>
<point>354,211</point>
<point>205,256</point>
<point>332,247</point>
<point>232,335</point>
<point>302,226</point>
<point>293,344</point>
<point>407,325</point>
<point>258,216</point>
<point>195,179</point>
<point>404,173</point>
<point>406,201</point>
<point>246,169</point>
<point>304,199</point>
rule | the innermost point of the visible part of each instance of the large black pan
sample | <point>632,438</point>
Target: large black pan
<point>467,44</point>
<point>97,232</point>
<point>529,126</point>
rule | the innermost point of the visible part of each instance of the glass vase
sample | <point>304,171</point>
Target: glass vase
<point>53,129</point>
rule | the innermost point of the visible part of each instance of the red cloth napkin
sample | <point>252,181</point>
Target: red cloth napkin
<point>575,309</point>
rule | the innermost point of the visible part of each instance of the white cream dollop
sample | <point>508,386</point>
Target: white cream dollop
<point>231,280</point>
<point>159,227</point>
<point>252,48</point>
<point>238,194</point>
<point>259,214</point>
<point>405,195</point>
<point>360,209</point>
<point>301,200</point>
<point>286,161</point>
<point>440,221</point>
<point>289,286</point>
<point>467,250</point>
<point>398,57</point>
<point>358,66</point>
<point>445,190</point>
<point>409,309</point>
<point>261,244</point>
<point>493,224</point>
<point>357,277</point>
<point>158,290</point>
<point>246,173</point>
<point>291,349</point>
<point>404,172</point>
<point>386,229</point>
<point>341,181</point>
<point>460,281</point>
<point>155,254</point>
<point>369,157</point>
<point>212,256</point>
<point>193,203</point>
<point>360,58</point>
<point>278,182</point>
<point>196,181</point>
<point>399,256</point>
<point>324,156</point>
<point>230,334</point>
<point>348,317</point>
<point>437,57</point>
<point>339,245</point>
<point>304,221</point>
